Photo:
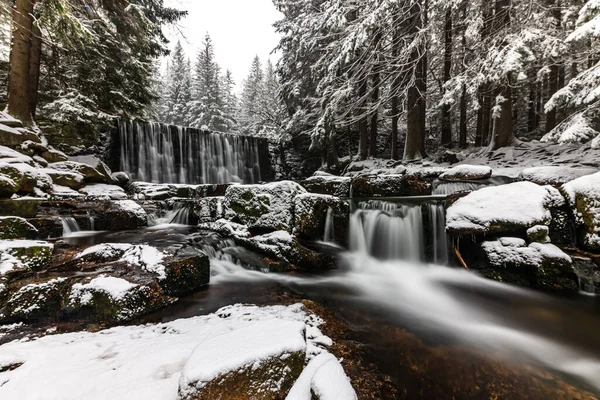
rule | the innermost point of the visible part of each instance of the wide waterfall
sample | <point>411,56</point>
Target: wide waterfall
<point>159,153</point>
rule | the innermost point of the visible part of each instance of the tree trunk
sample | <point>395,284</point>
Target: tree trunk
<point>18,90</point>
<point>479,124</point>
<point>446,118</point>
<point>553,88</point>
<point>374,116</point>
<point>502,134</point>
<point>486,114</point>
<point>332,154</point>
<point>363,124</point>
<point>414,143</point>
<point>462,137</point>
<point>423,81</point>
<point>532,121</point>
<point>34,69</point>
<point>395,118</point>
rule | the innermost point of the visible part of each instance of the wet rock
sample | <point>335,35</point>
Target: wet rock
<point>389,186</point>
<point>186,273</point>
<point>311,214</point>
<point>588,272</point>
<point>33,254</point>
<point>209,209</point>
<point>538,234</point>
<point>47,227</point>
<point>467,173</point>
<point>16,228</point>
<point>121,178</point>
<point>583,196</point>
<point>332,185</point>
<point>263,207</point>
<point>38,302</point>
<point>25,208</point>
<point>263,365</point>
<point>72,180</point>
<point>101,191</point>
<point>13,137</point>
<point>202,191</point>
<point>89,173</point>
<point>8,187</point>
<point>119,215</point>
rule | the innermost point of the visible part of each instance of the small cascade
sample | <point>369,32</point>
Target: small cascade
<point>179,215</point>
<point>70,226</point>
<point>92,223</point>
<point>388,231</point>
<point>159,153</point>
<point>439,239</point>
<point>329,236</point>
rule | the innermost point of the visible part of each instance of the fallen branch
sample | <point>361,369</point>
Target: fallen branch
<point>460,258</point>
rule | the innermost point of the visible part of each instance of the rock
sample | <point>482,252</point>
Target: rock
<point>25,208</point>
<point>209,209</point>
<point>583,196</point>
<point>47,227</point>
<point>8,120</point>
<point>152,191</point>
<point>41,161</point>
<point>311,213</point>
<point>33,254</point>
<point>38,302</point>
<point>54,156</point>
<point>261,361</point>
<point>263,207</point>
<point>23,175</point>
<point>89,173</point>
<point>10,156</point>
<point>332,185</point>
<point>119,215</point>
<point>102,191</point>
<point>202,191</point>
<point>121,178</point>
<point>588,273</point>
<point>8,187</point>
<point>109,299</point>
<point>389,186</point>
<point>16,228</point>
<point>510,208</point>
<point>538,234</point>
<point>13,137</point>
<point>186,273</point>
<point>72,180</point>
<point>554,176</point>
<point>540,265</point>
<point>467,173</point>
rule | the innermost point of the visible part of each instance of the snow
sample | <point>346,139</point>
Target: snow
<point>6,246</point>
<point>116,288</point>
<point>6,153</point>
<point>554,175</point>
<point>102,191</point>
<point>65,192</point>
<point>8,263</point>
<point>105,250</point>
<point>578,130</point>
<point>467,172</point>
<point>588,187</point>
<point>140,362</point>
<point>226,227</point>
<point>131,206</point>
<point>522,203</point>
<point>252,344</point>
<point>513,251</point>
<point>324,376</point>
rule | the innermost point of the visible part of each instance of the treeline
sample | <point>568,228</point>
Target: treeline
<point>441,72</point>
<point>84,60</point>
<point>201,95</point>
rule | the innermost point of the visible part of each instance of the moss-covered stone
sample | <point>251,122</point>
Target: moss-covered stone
<point>332,185</point>
<point>25,208</point>
<point>38,302</point>
<point>8,187</point>
<point>34,254</point>
<point>186,274</point>
<point>69,179</point>
<point>13,137</point>
<point>16,228</point>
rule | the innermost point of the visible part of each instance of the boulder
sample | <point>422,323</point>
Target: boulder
<point>120,178</point>
<point>101,191</point>
<point>313,211</point>
<point>186,272</point>
<point>467,172</point>
<point>47,227</point>
<point>332,185</point>
<point>16,228</point>
<point>38,302</point>
<point>583,197</point>
<point>541,265</point>
<point>8,120</point>
<point>118,215</point>
<point>13,137</point>
<point>8,187</point>
<point>588,272</point>
<point>25,207</point>
<point>33,254</point>
<point>389,186</point>
<point>10,156</point>
<point>263,207</point>
<point>209,209</point>
<point>259,361</point>
<point>538,234</point>
<point>89,173</point>
<point>53,156</point>
<point>72,180</point>
<point>511,208</point>
<point>554,176</point>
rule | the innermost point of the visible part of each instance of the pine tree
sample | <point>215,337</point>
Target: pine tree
<point>252,92</point>
<point>178,89</point>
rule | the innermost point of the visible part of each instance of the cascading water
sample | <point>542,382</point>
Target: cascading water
<point>70,226</point>
<point>329,236</point>
<point>437,233</point>
<point>179,215</point>
<point>160,153</point>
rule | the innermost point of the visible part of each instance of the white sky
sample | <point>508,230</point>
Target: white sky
<point>240,29</point>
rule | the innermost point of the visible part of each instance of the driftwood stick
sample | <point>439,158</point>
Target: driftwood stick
<point>460,258</point>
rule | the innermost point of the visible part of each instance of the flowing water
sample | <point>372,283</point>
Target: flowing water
<point>159,153</point>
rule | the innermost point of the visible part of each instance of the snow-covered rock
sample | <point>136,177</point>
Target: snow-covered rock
<point>539,234</point>
<point>313,211</point>
<point>101,191</point>
<point>554,176</point>
<point>519,205</point>
<point>323,378</point>
<point>37,301</point>
<point>266,207</point>
<point>261,360</point>
<point>15,136</point>
<point>389,185</point>
<point>32,253</point>
<point>120,178</point>
<point>16,228</point>
<point>467,172</point>
<point>328,184</point>
<point>120,215</point>
<point>583,196</point>
<point>70,179</point>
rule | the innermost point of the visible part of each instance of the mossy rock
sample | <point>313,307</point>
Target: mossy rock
<point>47,227</point>
<point>16,228</point>
<point>13,137</point>
<point>89,173</point>
<point>38,302</point>
<point>25,208</point>
<point>186,274</point>
<point>34,254</point>
<point>8,187</point>
<point>310,217</point>
<point>331,185</point>
<point>25,181</point>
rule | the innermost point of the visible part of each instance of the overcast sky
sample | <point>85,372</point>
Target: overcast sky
<point>240,29</point>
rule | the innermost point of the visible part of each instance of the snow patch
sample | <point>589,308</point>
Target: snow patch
<point>116,288</point>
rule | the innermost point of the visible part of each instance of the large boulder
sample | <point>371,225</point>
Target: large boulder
<point>510,208</point>
<point>53,156</point>
<point>89,173</point>
<point>554,176</point>
<point>389,186</point>
<point>312,213</point>
<point>119,215</point>
<point>259,361</point>
<point>24,207</point>
<point>23,175</point>
<point>66,178</point>
<point>13,137</point>
<point>37,302</point>
<point>8,187</point>
<point>16,228</point>
<point>541,265</point>
<point>583,196</point>
<point>101,191</point>
<point>263,207</point>
<point>328,184</point>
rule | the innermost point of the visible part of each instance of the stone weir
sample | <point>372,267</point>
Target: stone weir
<point>160,153</point>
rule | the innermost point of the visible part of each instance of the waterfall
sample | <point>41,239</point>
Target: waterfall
<point>388,231</point>
<point>70,226</point>
<point>329,236</point>
<point>448,188</point>
<point>179,215</point>
<point>159,153</point>
<point>439,240</point>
